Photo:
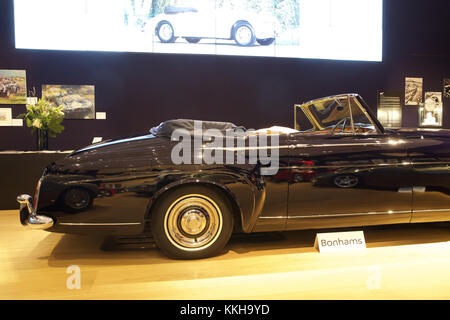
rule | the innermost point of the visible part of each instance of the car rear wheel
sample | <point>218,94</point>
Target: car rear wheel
<point>193,40</point>
<point>192,222</point>
<point>244,34</point>
<point>165,32</point>
<point>265,42</point>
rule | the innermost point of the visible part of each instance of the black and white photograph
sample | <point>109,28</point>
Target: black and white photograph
<point>78,101</point>
<point>446,88</point>
<point>430,115</point>
<point>413,91</point>
<point>389,111</point>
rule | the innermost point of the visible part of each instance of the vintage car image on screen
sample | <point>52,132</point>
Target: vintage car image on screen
<point>194,24</point>
<point>337,168</point>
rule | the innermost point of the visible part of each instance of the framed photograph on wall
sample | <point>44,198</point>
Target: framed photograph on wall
<point>446,88</point>
<point>5,117</point>
<point>13,87</point>
<point>413,91</point>
<point>430,113</point>
<point>389,109</point>
<point>78,101</point>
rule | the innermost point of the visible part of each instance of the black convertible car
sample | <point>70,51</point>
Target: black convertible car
<point>339,167</point>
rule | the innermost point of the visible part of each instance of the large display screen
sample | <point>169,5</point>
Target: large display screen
<point>323,29</point>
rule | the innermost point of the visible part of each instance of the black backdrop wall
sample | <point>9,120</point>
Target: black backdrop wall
<point>139,90</point>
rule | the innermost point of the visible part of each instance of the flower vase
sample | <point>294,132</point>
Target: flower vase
<point>42,139</point>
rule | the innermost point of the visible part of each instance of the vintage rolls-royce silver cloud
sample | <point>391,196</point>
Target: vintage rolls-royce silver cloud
<point>195,24</point>
<point>337,168</point>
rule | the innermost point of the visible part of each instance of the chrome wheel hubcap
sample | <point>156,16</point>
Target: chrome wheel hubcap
<point>193,222</point>
<point>166,32</point>
<point>244,35</point>
<point>346,181</point>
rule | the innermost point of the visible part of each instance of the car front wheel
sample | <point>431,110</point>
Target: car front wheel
<point>76,200</point>
<point>165,32</point>
<point>192,222</point>
<point>244,34</point>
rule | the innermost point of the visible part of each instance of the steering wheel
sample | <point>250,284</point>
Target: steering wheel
<point>343,121</point>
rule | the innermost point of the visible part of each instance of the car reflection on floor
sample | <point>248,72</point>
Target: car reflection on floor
<point>266,266</point>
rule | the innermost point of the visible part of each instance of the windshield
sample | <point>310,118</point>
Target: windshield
<point>338,114</point>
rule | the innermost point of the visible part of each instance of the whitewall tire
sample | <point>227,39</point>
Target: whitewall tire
<point>244,34</point>
<point>165,32</point>
<point>192,222</point>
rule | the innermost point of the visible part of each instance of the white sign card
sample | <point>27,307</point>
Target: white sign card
<point>17,122</point>
<point>340,241</point>
<point>100,115</point>
<point>32,100</point>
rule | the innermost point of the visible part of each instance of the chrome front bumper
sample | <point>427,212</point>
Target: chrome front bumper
<point>28,216</point>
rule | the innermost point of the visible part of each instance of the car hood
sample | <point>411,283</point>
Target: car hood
<point>115,155</point>
<point>425,132</point>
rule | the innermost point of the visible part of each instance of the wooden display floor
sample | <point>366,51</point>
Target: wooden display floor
<point>401,262</point>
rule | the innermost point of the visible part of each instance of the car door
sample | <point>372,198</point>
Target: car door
<point>429,152</point>
<point>203,23</point>
<point>270,207</point>
<point>199,22</point>
<point>346,172</point>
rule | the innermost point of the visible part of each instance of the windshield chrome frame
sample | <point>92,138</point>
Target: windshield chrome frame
<point>359,102</point>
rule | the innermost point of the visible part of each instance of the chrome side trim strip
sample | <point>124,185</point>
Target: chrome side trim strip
<point>432,210</point>
<point>362,144</point>
<point>337,215</point>
<point>419,189</point>
<point>357,165</point>
<point>350,166</point>
<point>306,145</point>
<point>248,148</point>
<point>98,224</point>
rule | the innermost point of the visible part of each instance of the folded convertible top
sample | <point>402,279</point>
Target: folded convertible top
<point>166,128</point>
<point>175,10</point>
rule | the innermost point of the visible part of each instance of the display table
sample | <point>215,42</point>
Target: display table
<point>20,171</point>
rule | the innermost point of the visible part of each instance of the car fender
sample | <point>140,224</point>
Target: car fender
<point>175,20</point>
<point>246,197</point>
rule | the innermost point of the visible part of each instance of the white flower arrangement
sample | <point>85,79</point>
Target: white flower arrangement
<point>44,116</point>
